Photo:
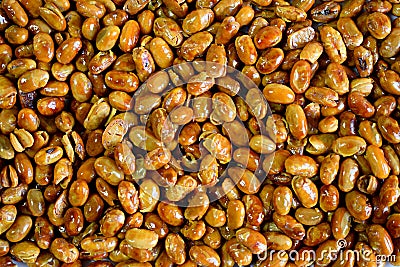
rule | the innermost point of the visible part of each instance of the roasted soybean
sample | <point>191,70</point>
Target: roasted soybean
<point>199,170</point>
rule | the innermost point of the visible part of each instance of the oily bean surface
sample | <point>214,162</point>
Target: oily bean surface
<point>266,125</point>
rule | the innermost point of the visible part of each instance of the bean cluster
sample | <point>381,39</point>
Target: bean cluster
<point>98,97</point>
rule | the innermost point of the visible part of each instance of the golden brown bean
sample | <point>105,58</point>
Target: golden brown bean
<point>379,25</point>
<point>16,35</point>
<point>329,245</point>
<point>380,240</point>
<point>146,20</point>
<point>323,96</point>
<point>301,165</point>
<point>246,50</point>
<point>78,193</point>
<point>219,146</point>
<point>25,251</point>
<point>81,87</point>
<point>349,145</point>
<point>389,128</point>
<point>159,81</point>
<point>390,46</point>
<point>128,196</point>
<point>8,93</point>
<point>223,109</point>
<point>235,214</point>
<point>4,248</point>
<point>297,121</point>
<point>32,80</point>
<point>66,52</point>
<point>317,234</point>
<point>141,238</point>
<point>55,88</point>
<point>99,244</point>
<point>348,174</point>
<point>278,241</point>
<point>278,93</point>
<point>311,52</point>
<point>301,37</point>
<point>252,239</point>
<point>238,252</point>
<point>194,230</point>
<point>175,248</point>
<point>43,47</point>
<point>117,17</point>
<point>52,15</point>
<point>181,115</point>
<point>157,158</point>
<point>226,8</point>
<point>90,28</point>
<point>291,13</point>
<point>15,12</point>
<point>120,80</point>
<point>196,45</point>
<point>142,255</point>
<point>107,37</point>
<point>309,216</point>
<point>358,205</point>
<point>305,190</point>
<point>86,170</point>
<point>204,256</point>
<point>268,36</point>
<point>215,217</point>
<point>197,20</point>
<point>8,213</point>
<point>61,71</point>
<point>94,206</point>
<point>360,105</point>
<point>91,9</point>
<point>73,221</point>
<point>227,30</point>
<point>333,43</point>
<point>247,157</point>
<point>124,158</point>
<point>270,60</point>
<point>245,15</point>
<point>246,181</point>
<point>170,213</point>
<point>36,203</point>
<point>325,12</point>
<point>169,30</point>
<point>112,222</point>
<point>374,155</point>
<point>202,105</point>
<point>20,228</point>
<point>48,155</point>
<point>389,192</point>
<point>341,223</point>
<point>64,251</point>
<point>282,200</point>
<point>336,78</point>
<point>300,76</point>
<point>162,53</point>
<point>101,61</point>
<point>289,226</point>
<point>391,225</point>
<point>144,63</point>
<point>369,131</point>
